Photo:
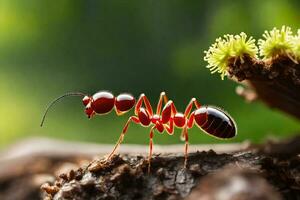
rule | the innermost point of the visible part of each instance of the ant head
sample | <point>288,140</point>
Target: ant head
<point>87,102</point>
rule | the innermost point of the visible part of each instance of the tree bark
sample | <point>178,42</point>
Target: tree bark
<point>126,177</point>
<point>276,82</point>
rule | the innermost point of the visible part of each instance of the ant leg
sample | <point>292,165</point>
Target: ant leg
<point>173,108</point>
<point>162,97</point>
<point>150,148</point>
<point>131,119</point>
<point>190,124</point>
<point>191,120</point>
<point>190,105</point>
<point>139,103</point>
<point>168,111</point>
<point>170,127</point>
<point>182,136</point>
<point>186,146</point>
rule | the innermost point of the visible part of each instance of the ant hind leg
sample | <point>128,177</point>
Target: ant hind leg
<point>150,148</point>
<point>186,145</point>
<point>143,99</point>
<point>189,107</point>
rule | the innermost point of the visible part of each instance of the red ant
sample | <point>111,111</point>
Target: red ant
<point>213,121</point>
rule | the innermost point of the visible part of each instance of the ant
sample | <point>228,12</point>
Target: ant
<point>212,120</point>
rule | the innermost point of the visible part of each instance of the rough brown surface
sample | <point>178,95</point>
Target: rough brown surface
<point>234,184</point>
<point>276,82</point>
<point>126,177</point>
<point>22,180</point>
<point>274,166</point>
<point>26,165</point>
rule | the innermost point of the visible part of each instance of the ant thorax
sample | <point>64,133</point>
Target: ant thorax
<point>155,118</point>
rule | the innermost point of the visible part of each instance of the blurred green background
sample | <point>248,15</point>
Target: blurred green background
<point>51,47</point>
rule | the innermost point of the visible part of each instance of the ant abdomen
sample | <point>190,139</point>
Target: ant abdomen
<point>215,122</point>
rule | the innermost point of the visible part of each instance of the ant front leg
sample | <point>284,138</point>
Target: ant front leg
<point>139,103</point>
<point>162,97</point>
<point>131,119</point>
<point>170,127</point>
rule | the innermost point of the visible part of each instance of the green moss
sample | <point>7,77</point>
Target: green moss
<point>227,47</point>
<point>274,43</point>
<point>296,45</point>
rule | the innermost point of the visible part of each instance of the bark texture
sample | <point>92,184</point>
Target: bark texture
<point>125,177</point>
<point>276,82</point>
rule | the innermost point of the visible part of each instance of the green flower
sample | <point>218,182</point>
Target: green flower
<point>296,45</point>
<point>229,46</point>
<point>276,42</point>
<point>242,46</point>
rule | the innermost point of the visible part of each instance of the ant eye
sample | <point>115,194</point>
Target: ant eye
<point>86,100</point>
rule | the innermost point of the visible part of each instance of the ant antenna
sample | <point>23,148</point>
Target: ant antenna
<point>56,100</point>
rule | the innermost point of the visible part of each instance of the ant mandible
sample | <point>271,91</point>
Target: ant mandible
<point>212,120</point>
